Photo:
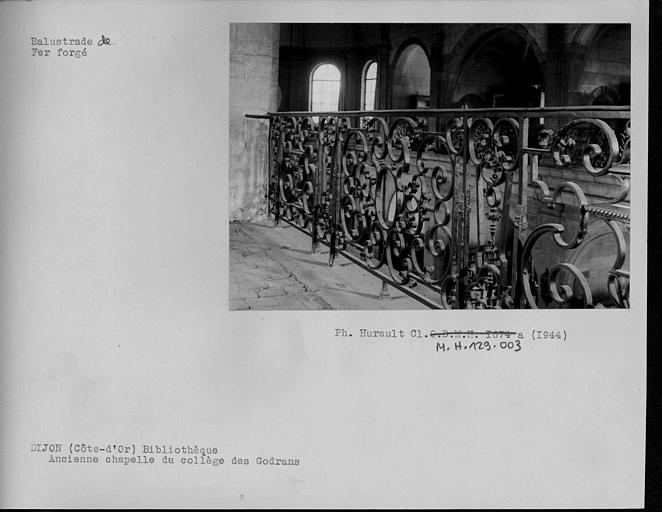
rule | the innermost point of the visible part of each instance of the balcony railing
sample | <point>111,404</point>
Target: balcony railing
<point>464,209</point>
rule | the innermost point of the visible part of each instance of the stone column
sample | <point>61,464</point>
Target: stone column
<point>383,77</point>
<point>436,78</point>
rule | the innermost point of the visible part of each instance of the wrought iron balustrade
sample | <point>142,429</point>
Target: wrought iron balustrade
<point>470,209</point>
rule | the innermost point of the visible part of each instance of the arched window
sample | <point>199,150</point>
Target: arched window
<point>325,88</point>
<point>369,86</point>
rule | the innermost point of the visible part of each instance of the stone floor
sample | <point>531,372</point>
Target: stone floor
<point>273,268</point>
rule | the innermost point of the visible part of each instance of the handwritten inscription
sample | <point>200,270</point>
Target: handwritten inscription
<point>455,340</point>
<point>71,47</point>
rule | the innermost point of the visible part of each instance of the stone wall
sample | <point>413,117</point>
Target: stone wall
<point>608,65</point>
<point>569,60</point>
<point>253,89</point>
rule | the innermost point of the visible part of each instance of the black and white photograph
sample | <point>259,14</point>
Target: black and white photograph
<point>243,242</point>
<point>455,166</point>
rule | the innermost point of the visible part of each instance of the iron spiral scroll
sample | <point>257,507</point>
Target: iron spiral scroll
<point>441,204</point>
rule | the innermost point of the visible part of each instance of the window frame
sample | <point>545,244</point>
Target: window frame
<point>312,80</point>
<point>364,80</point>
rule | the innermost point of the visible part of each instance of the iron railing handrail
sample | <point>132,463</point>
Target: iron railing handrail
<point>606,111</point>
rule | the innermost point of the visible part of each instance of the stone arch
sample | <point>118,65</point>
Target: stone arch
<point>408,42</point>
<point>586,33</point>
<point>603,95</point>
<point>597,53</point>
<point>478,38</point>
<point>410,73</point>
<point>472,100</point>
